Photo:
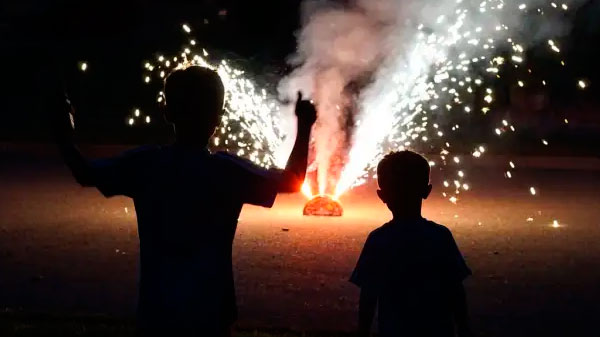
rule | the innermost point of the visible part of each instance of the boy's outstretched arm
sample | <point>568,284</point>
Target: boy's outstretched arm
<point>295,170</point>
<point>460,311</point>
<point>366,311</point>
<point>62,120</point>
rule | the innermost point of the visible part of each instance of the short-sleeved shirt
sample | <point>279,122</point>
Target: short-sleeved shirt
<point>412,267</point>
<point>187,204</point>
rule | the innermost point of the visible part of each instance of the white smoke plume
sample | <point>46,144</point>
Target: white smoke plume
<point>372,66</point>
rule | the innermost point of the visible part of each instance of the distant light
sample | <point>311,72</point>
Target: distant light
<point>582,84</point>
<point>555,224</point>
<point>147,79</point>
<point>545,142</point>
<point>521,84</point>
<point>532,190</point>
<point>83,66</point>
<point>186,28</point>
<point>530,219</point>
<point>522,6</point>
<point>147,119</point>
<point>131,121</point>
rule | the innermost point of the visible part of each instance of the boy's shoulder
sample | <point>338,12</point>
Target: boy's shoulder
<point>423,227</point>
<point>235,163</point>
<point>142,151</point>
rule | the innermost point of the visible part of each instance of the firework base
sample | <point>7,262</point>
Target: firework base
<point>323,205</point>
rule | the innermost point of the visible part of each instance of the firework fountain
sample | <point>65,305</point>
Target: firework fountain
<point>385,75</point>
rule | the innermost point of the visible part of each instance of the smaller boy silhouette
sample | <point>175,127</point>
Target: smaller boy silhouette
<point>410,268</point>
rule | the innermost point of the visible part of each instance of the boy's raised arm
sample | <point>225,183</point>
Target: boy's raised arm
<point>63,125</point>
<point>295,170</point>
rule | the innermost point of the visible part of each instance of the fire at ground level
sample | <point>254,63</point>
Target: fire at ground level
<point>67,249</point>
<point>323,205</point>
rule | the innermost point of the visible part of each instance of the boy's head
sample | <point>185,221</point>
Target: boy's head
<point>194,103</point>
<point>403,179</point>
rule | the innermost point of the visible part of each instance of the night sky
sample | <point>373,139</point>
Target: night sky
<point>44,40</point>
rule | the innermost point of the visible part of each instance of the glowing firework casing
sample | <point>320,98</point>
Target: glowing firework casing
<point>323,205</point>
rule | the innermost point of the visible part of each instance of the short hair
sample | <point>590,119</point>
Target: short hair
<point>403,169</point>
<point>194,87</point>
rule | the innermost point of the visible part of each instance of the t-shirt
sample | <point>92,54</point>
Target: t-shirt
<point>412,267</point>
<point>187,204</point>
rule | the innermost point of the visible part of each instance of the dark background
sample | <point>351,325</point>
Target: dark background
<point>42,41</point>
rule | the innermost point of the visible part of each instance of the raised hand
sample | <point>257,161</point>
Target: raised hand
<point>305,111</point>
<point>61,113</point>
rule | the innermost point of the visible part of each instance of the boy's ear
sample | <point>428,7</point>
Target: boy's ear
<point>427,191</point>
<point>381,196</point>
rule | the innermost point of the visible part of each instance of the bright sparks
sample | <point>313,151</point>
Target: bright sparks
<point>446,69</point>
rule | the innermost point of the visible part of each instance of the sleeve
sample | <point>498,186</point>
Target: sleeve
<point>251,183</point>
<point>366,273</point>
<point>118,175</point>
<point>457,269</point>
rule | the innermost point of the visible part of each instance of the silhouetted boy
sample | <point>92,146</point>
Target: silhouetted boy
<point>187,202</point>
<point>410,268</point>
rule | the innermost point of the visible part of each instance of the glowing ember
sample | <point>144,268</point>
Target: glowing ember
<point>323,205</point>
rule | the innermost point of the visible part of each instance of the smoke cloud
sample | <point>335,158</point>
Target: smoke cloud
<point>368,64</point>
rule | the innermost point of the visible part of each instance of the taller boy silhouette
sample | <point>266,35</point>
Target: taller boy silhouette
<point>187,202</point>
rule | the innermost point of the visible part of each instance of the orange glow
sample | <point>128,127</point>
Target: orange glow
<point>306,190</point>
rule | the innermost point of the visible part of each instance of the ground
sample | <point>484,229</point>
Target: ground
<point>69,256</point>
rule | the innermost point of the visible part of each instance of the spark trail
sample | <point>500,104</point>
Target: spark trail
<point>385,75</point>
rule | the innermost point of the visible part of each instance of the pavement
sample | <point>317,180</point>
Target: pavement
<point>66,249</point>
